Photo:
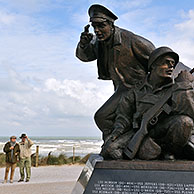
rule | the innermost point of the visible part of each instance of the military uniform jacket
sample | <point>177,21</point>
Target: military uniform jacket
<point>7,150</point>
<point>128,53</point>
<point>134,104</point>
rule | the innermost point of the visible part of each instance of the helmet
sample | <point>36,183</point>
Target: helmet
<point>159,52</point>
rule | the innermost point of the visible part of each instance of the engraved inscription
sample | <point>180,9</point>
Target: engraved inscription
<point>123,187</point>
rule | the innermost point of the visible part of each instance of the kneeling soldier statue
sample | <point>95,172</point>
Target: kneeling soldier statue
<point>155,121</point>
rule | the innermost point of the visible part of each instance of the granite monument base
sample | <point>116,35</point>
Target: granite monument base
<point>86,173</point>
<point>141,177</point>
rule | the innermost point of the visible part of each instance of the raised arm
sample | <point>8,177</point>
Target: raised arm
<point>30,142</point>
<point>85,50</point>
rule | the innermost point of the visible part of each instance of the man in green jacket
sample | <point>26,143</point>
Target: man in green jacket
<point>25,157</point>
<point>12,151</point>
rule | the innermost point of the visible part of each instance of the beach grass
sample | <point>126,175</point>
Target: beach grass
<point>57,160</point>
<point>2,159</point>
<point>51,160</point>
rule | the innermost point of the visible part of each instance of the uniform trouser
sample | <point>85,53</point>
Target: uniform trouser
<point>25,163</point>
<point>171,134</point>
<point>8,166</point>
<point>105,115</point>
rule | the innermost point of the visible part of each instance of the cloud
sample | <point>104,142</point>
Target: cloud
<point>180,38</point>
<point>175,31</point>
<point>44,89</point>
<point>54,104</point>
<point>43,86</point>
<point>187,27</point>
<point>88,94</point>
<point>32,6</point>
<point>6,18</point>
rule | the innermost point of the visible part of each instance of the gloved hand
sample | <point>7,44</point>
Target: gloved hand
<point>112,137</point>
<point>115,134</point>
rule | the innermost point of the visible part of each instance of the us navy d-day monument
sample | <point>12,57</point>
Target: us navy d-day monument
<point>147,124</point>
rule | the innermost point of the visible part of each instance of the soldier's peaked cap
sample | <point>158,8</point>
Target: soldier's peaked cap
<point>160,52</point>
<point>99,13</point>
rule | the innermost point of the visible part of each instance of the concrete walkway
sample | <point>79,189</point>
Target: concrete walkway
<point>44,180</point>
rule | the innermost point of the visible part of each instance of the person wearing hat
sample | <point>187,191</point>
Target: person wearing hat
<point>12,151</point>
<point>122,57</point>
<point>25,157</point>
<point>169,135</point>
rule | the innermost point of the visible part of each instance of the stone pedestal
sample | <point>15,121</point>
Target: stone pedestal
<point>86,173</point>
<point>141,177</point>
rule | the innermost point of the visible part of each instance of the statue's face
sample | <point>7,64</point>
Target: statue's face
<point>103,30</point>
<point>165,67</point>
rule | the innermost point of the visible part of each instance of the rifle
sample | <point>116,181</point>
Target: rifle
<point>151,116</point>
<point>192,71</point>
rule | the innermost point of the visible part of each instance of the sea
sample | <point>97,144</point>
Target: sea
<point>62,145</point>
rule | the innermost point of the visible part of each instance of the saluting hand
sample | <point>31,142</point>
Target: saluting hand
<point>86,37</point>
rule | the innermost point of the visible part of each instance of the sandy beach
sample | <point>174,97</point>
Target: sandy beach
<point>44,180</point>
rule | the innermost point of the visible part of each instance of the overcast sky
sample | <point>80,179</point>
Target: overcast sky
<point>44,89</point>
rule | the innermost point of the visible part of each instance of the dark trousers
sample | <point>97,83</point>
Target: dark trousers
<point>170,135</point>
<point>105,115</point>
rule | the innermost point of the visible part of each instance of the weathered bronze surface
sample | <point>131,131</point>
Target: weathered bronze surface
<point>122,57</point>
<point>150,115</point>
<point>155,121</point>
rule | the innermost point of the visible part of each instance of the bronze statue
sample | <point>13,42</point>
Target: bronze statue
<point>163,108</point>
<point>122,57</point>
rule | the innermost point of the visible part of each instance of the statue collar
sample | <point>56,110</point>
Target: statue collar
<point>117,36</point>
<point>145,83</point>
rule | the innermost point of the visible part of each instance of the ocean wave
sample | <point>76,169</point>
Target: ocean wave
<point>61,145</point>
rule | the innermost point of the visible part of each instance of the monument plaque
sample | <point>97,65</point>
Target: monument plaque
<point>138,177</point>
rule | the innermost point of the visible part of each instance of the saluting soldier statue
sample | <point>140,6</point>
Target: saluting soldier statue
<point>122,57</point>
